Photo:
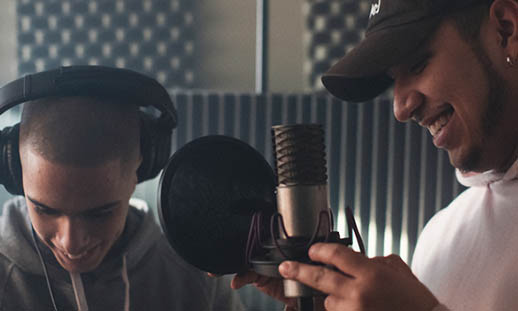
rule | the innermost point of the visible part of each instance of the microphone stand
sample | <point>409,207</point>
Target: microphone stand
<point>305,304</point>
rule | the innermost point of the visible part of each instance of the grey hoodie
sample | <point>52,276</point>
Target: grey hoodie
<point>141,273</point>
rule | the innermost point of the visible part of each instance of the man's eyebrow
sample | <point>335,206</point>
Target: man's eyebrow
<point>101,208</point>
<point>420,55</point>
<point>39,203</point>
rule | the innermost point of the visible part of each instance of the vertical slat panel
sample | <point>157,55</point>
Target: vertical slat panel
<point>181,107</point>
<point>350,165</point>
<point>300,109</point>
<point>342,189</point>
<point>306,108</point>
<point>430,180</point>
<point>292,108</point>
<point>333,143</point>
<point>398,137</point>
<point>227,116</point>
<point>198,117</point>
<point>253,122</point>
<point>359,171</point>
<point>205,115</point>
<point>214,112</point>
<point>388,241</point>
<point>189,118</point>
<point>374,182</point>
<point>411,188</point>
<point>267,140</point>
<point>363,169</point>
<point>246,116</point>
<point>237,117</point>
<point>261,134</point>
<point>379,178</point>
<point>446,180</point>
<point>277,106</point>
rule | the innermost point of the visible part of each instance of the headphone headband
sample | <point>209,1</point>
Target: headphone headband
<point>91,81</point>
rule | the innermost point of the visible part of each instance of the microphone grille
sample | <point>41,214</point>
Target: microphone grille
<point>300,157</point>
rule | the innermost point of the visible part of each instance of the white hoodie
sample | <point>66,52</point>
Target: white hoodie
<point>467,255</point>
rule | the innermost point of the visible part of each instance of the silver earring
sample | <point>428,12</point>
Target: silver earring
<point>509,61</point>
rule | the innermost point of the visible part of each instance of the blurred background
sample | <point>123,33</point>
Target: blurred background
<point>236,68</point>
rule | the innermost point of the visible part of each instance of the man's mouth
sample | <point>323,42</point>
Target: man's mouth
<point>436,126</point>
<point>78,256</point>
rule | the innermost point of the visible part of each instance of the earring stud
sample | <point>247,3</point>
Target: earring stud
<point>509,61</point>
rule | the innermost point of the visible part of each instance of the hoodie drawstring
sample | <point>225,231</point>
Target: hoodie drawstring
<point>79,291</point>
<point>44,266</point>
<point>125,279</point>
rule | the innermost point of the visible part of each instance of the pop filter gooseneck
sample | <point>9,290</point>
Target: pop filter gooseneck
<point>208,194</point>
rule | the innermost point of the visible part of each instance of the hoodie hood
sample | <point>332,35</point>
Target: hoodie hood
<point>473,179</point>
<point>140,234</point>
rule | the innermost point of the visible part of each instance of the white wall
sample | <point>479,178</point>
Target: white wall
<point>227,45</point>
<point>7,41</point>
<point>7,61</point>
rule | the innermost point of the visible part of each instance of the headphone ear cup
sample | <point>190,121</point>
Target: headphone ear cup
<point>10,166</point>
<point>155,147</point>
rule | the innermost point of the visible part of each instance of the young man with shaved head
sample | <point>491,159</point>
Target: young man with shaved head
<point>454,68</point>
<point>75,241</point>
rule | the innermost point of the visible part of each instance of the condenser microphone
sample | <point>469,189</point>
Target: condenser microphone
<point>301,194</point>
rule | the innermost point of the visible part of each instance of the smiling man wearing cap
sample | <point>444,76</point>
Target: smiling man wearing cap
<point>454,68</point>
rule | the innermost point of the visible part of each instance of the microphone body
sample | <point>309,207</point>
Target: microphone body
<point>302,195</point>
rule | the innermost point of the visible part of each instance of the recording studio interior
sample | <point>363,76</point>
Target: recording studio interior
<point>238,68</point>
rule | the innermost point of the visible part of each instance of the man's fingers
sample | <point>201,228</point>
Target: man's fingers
<point>213,275</point>
<point>338,255</point>
<point>317,277</point>
<point>243,279</point>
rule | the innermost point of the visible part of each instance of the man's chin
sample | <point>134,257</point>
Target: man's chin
<point>469,162</point>
<point>78,268</point>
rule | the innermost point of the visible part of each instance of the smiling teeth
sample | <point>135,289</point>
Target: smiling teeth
<point>73,257</point>
<point>437,126</point>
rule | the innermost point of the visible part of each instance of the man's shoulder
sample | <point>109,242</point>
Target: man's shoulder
<point>6,269</point>
<point>446,224</point>
<point>186,284</point>
<point>460,205</point>
<point>163,252</point>
<point>14,202</point>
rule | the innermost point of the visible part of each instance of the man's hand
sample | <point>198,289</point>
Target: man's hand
<point>380,283</point>
<point>271,286</point>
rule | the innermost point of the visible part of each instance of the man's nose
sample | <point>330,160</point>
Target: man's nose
<point>406,103</point>
<point>73,235</point>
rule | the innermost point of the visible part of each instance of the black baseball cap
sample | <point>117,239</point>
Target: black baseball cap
<point>396,28</point>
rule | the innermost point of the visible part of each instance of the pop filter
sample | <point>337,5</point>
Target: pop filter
<point>208,194</point>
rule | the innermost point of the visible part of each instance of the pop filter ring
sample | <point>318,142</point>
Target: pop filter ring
<point>245,151</point>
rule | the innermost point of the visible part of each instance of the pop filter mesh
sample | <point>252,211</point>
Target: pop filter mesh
<point>209,192</point>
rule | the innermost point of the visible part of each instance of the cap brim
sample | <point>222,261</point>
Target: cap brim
<point>361,74</point>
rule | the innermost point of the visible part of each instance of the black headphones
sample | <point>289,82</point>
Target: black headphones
<point>98,81</point>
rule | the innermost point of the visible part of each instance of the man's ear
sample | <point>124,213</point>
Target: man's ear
<point>504,15</point>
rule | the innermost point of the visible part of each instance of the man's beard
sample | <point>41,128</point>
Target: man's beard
<point>493,111</point>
